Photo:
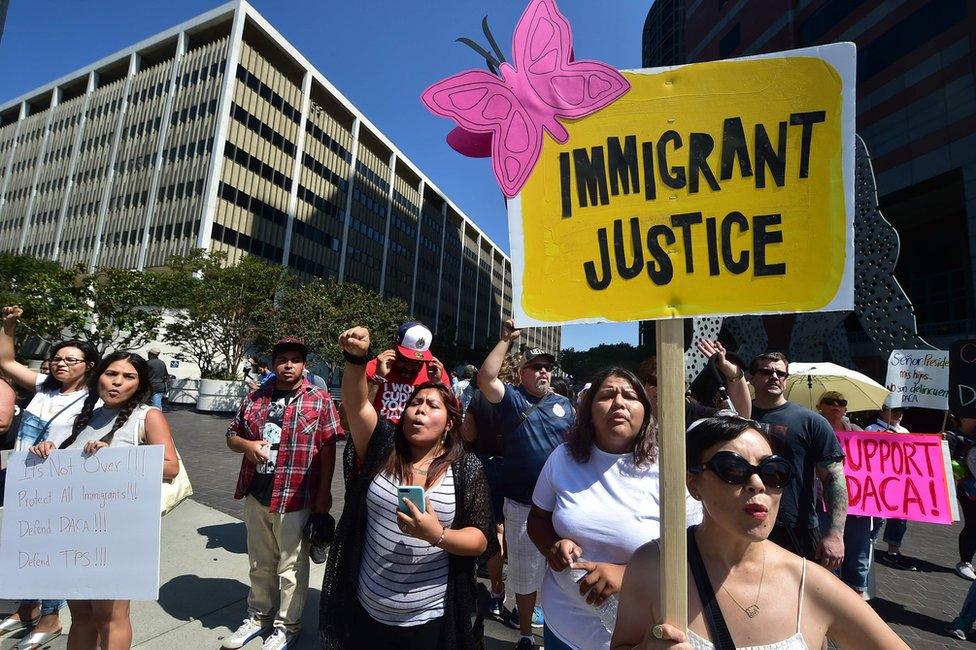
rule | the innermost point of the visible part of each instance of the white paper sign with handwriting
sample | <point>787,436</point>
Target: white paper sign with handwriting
<point>83,527</point>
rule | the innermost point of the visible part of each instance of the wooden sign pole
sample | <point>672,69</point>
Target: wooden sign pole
<point>671,412</point>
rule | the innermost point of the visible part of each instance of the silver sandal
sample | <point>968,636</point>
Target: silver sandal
<point>10,625</point>
<point>36,640</point>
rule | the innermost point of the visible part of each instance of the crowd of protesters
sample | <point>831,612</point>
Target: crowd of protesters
<point>501,470</point>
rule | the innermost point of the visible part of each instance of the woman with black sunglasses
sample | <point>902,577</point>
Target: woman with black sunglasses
<point>758,594</point>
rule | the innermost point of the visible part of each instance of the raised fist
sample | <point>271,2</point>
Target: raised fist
<point>355,341</point>
<point>12,314</point>
<point>509,333</point>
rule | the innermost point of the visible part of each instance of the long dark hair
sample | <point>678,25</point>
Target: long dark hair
<point>400,457</point>
<point>88,351</point>
<point>582,435</point>
<point>139,397</point>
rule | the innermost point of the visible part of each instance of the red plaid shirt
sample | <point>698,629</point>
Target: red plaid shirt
<point>310,422</point>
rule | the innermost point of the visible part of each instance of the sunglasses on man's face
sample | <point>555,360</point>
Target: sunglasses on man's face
<point>540,366</point>
<point>774,471</point>
<point>769,372</point>
<point>834,402</point>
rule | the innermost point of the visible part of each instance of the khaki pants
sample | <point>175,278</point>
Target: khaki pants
<point>279,564</point>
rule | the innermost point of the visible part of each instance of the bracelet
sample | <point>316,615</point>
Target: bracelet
<point>356,361</point>
<point>441,538</point>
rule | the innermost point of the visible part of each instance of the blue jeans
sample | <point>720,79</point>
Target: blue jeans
<point>552,642</point>
<point>857,552</point>
<point>47,606</point>
<point>894,531</point>
<point>968,612</point>
<point>156,400</point>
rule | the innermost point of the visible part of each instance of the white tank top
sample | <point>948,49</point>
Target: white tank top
<point>794,642</point>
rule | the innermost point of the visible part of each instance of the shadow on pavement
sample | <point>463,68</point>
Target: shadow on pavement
<point>190,597</point>
<point>231,537</point>
<point>896,613</point>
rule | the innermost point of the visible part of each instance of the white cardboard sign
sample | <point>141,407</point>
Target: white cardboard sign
<point>82,527</point>
<point>918,379</point>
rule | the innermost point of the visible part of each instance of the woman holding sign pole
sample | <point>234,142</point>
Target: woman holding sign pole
<point>58,399</point>
<point>743,590</point>
<point>121,382</point>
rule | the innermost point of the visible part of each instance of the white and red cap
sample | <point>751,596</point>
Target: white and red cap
<point>413,341</point>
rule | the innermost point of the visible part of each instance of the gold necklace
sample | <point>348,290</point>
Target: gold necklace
<point>752,611</point>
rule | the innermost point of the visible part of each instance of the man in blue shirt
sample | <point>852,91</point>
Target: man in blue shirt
<point>534,421</point>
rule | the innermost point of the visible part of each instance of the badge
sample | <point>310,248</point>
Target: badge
<point>559,411</point>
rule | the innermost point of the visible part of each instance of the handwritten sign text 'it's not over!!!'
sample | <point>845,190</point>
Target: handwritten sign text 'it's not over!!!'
<point>898,475</point>
<point>82,526</point>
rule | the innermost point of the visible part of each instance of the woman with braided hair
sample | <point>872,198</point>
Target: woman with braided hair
<point>58,398</point>
<point>121,382</point>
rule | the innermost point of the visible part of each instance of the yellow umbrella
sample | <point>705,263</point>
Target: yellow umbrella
<point>808,381</point>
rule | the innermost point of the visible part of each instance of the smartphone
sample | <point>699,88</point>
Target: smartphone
<point>413,493</point>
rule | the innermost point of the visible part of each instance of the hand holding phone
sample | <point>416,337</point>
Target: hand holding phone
<point>412,493</point>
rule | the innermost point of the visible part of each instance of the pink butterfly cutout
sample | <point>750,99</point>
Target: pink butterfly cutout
<point>545,83</point>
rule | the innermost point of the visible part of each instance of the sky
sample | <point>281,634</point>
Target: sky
<point>380,55</point>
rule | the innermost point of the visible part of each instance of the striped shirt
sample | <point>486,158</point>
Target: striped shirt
<point>402,580</point>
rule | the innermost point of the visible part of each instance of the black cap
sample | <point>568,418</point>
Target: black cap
<point>534,354</point>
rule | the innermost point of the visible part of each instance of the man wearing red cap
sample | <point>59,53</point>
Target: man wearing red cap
<point>287,430</point>
<point>397,372</point>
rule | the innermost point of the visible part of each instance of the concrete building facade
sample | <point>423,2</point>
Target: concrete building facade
<point>916,111</point>
<point>218,134</point>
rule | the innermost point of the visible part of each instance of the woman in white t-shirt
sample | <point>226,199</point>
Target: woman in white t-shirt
<point>596,501</point>
<point>58,399</point>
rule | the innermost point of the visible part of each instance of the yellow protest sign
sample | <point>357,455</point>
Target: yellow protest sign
<point>708,189</point>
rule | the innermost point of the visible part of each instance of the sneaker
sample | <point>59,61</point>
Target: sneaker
<point>538,619</point>
<point>865,596</point>
<point>525,643</point>
<point>965,570</point>
<point>496,604</point>
<point>897,561</point>
<point>250,629</point>
<point>952,631</point>
<point>278,641</point>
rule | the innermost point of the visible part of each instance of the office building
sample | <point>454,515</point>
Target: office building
<point>916,111</point>
<point>218,134</point>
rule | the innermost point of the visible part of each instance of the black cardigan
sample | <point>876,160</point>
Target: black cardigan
<point>462,625</point>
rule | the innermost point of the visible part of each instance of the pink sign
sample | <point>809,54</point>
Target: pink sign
<point>897,475</point>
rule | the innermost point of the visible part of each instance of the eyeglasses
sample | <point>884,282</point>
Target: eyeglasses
<point>769,372</point>
<point>774,471</point>
<point>829,401</point>
<point>540,366</point>
<point>68,361</point>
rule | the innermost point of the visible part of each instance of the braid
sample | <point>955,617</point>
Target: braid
<point>82,419</point>
<point>121,418</point>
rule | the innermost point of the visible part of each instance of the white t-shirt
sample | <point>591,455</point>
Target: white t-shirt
<point>47,404</point>
<point>610,508</point>
<point>881,425</point>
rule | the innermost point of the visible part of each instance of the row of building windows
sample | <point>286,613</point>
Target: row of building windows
<point>432,220</point>
<point>306,265</point>
<point>321,205</point>
<point>324,172</point>
<point>246,243</point>
<point>328,141</point>
<point>366,230</point>
<point>257,126</point>
<point>256,165</point>
<point>178,191</point>
<point>404,202</point>
<point>255,206</point>
<point>372,176</point>
<point>362,257</point>
<point>192,112</point>
<point>246,77</point>
<point>200,74</point>
<point>401,224</point>
<point>315,235</point>
<point>370,203</point>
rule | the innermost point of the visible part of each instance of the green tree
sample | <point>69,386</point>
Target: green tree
<point>583,364</point>
<point>216,308</point>
<point>320,310</point>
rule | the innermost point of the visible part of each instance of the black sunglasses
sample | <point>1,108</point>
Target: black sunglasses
<point>769,372</point>
<point>540,366</point>
<point>829,401</point>
<point>774,471</point>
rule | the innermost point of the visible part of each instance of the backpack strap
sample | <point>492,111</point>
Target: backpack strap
<point>717,629</point>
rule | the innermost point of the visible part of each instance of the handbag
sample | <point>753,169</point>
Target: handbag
<point>176,490</point>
